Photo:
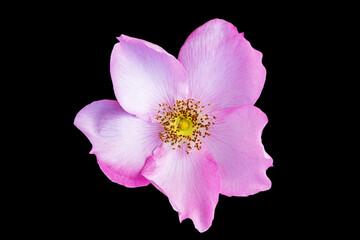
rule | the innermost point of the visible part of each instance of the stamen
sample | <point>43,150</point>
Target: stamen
<point>184,124</point>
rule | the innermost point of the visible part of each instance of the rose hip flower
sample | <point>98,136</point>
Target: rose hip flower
<point>188,125</point>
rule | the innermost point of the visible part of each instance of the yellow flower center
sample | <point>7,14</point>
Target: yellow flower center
<point>185,124</point>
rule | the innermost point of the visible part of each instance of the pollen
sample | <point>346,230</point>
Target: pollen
<point>184,123</point>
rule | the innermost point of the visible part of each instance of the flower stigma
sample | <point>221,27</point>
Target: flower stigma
<point>185,124</point>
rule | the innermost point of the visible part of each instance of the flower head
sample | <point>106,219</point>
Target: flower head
<point>188,125</point>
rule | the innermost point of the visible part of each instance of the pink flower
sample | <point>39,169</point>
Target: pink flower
<point>188,125</point>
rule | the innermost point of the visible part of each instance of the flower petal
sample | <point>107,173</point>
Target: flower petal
<point>223,68</point>
<point>120,141</point>
<point>235,143</point>
<point>144,75</point>
<point>191,182</point>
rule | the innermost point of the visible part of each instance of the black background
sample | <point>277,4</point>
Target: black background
<point>77,198</point>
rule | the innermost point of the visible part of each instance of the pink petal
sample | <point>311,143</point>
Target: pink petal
<point>144,75</point>
<point>223,68</point>
<point>235,143</point>
<point>121,142</point>
<point>191,182</point>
